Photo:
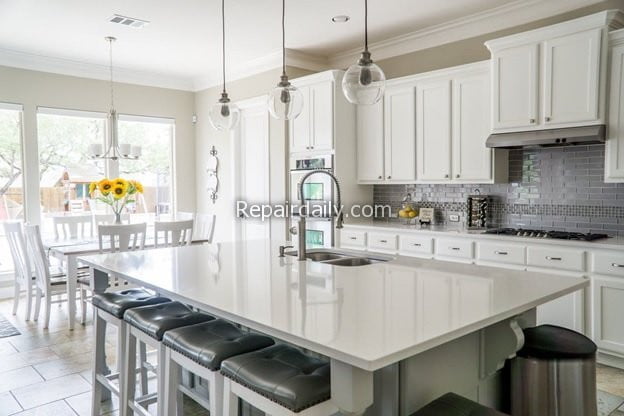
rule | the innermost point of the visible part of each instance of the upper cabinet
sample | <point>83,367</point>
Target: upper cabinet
<point>313,129</point>
<point>551,77</point>
<point>614,166</point>
<point>431,128</point>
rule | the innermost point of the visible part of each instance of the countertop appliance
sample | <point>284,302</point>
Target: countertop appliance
<point>478,211</point>
<point>560,235</point>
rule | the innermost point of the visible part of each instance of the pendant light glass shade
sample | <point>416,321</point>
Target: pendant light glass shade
<point>223,115</point>
<point>364,82</point>
<point>285,100</point>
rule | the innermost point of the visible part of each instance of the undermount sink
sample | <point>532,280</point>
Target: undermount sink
<point>340,258</point>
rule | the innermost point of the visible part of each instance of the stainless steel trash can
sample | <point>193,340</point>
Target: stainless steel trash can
<point>554,374</point>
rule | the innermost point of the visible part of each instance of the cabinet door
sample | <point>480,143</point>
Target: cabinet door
<point>614,165</point>
<point>608,311</point>
<point>322,116</point>
<point>370,142</point>
<point>515,86</point>
<point>472,161</point>
<point>399,135</point>
<point>433,130</point>
<point>300,127</point>
<point>571,78</point>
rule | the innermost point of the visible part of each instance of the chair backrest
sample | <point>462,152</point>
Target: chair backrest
<point>204,227</point>
<point>39,257</point>
<point>124,237</point>
<point>173,233</point>
<point>19,251</point>
<point>72,226</point>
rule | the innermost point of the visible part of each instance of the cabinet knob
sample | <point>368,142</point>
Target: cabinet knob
<point>380,177</point>
<point>389,177</point>
<point>532,121</point>
<point>547,118</point>
<point>457,176</point>
<point>446,176</point>
<point>311,147</point>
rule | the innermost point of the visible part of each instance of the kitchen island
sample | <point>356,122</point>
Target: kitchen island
<point>398,333</point>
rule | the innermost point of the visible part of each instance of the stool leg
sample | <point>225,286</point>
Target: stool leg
<point>142,369</point>
<point>160,373</point>
<point>99,362</point>
<point>172,395</point>
<point>230,400</point>
<point>129,372</point>
<point>215,391</point>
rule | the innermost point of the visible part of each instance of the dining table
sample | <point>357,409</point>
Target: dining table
<point>67,251</point>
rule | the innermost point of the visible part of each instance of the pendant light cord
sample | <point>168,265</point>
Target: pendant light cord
<point>110,56</point>
<point>283,37</point>
<point>366,25</point>
<point>223,39</point>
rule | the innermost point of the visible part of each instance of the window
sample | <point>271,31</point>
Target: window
<point>11,178</point>
<point>154,169</point>
<point>65,169</point>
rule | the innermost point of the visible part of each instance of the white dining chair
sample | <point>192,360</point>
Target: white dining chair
<point>23,273</point>
<point>173,233</point>
<point>204,227</point>
<point>72,226</point>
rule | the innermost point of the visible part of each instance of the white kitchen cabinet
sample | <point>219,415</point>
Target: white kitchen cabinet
<point>551,77</point>
<point>399,134</point>
<point>353,239</point>
<point>370,142</point>
<point>313,129</point>
<point>572,78</point>
<point>382,242</point>
<point>608,301</point>
<point>433,130</point>
<point>614,152</point>
<point>515,87</point>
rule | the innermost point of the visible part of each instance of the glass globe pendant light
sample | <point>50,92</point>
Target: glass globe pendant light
<point>223,115</point>
<point>285,100</point>
<point>364,82</point>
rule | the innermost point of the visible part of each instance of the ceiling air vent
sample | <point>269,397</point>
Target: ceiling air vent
<point>128,21</point>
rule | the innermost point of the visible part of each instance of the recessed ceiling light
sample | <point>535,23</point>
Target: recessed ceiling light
<point>340,19</point>
<point>128,21</point>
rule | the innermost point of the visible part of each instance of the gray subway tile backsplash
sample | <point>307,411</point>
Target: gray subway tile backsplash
<point>554,188</point>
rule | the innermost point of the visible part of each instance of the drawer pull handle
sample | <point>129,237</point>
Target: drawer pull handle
<point>353,238</point>
<point>383,241</point>
<point>417,244</point>
<point>617,265</point>
<point>553,258</point>
<point>455,248</point>
<point>502,253</point>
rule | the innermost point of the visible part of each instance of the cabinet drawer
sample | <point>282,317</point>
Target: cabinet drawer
<point>501,253</point>
<point>608,262</point>
<point>382,241</point>
<point>351,238</point>
<point>454,248</point>
<point>413,244</point>
<point>556,258</point>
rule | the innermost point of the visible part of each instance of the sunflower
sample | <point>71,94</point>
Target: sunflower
<point>92,187</point>
<point>119,191</point>
<point>138,186</point>
<point>121,182</point>
<point>105,186</point>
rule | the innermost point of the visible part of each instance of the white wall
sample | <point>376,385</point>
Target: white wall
<point>33,89</point>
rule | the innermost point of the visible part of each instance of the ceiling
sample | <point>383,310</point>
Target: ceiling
<point>183,41</point>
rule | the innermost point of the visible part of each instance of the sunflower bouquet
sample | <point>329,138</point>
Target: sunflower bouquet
<point>116,192</point>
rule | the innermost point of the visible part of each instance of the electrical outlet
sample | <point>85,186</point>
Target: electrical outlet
<point>453,217</point>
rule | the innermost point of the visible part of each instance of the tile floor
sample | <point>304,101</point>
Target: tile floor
<point>47,372</point>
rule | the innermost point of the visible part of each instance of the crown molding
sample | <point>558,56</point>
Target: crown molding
<point>266,63</point>
<point>503,17</point>
<point>16,59</point>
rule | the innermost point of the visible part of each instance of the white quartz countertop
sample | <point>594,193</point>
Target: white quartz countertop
<point>611,243</point>
<point>368,316</point>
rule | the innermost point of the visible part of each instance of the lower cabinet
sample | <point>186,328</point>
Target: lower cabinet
<point>608,310</point>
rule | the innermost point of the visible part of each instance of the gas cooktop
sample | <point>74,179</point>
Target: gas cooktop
<point>561,235</point>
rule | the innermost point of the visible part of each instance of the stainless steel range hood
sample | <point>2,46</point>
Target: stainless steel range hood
<point>548,138</point>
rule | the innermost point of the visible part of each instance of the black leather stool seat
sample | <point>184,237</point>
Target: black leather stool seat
<point>209,343</point>
<point>453,405</point>
<point>282,374</point>
<point>155,320</point>
<point>116,303</point>
<point>549,342</point>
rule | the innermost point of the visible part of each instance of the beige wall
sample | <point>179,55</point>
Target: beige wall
<point>473,49</point>
<point>33,88</point>
<point>207,136</point>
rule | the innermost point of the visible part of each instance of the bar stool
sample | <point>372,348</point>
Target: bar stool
<point>200,349</point>
<point>147,325</point>
<point>452,404</point>
<point>109,308</point>
<point>278,380</point>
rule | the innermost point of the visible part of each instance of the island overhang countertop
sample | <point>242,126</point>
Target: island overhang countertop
<point>367,316</point>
